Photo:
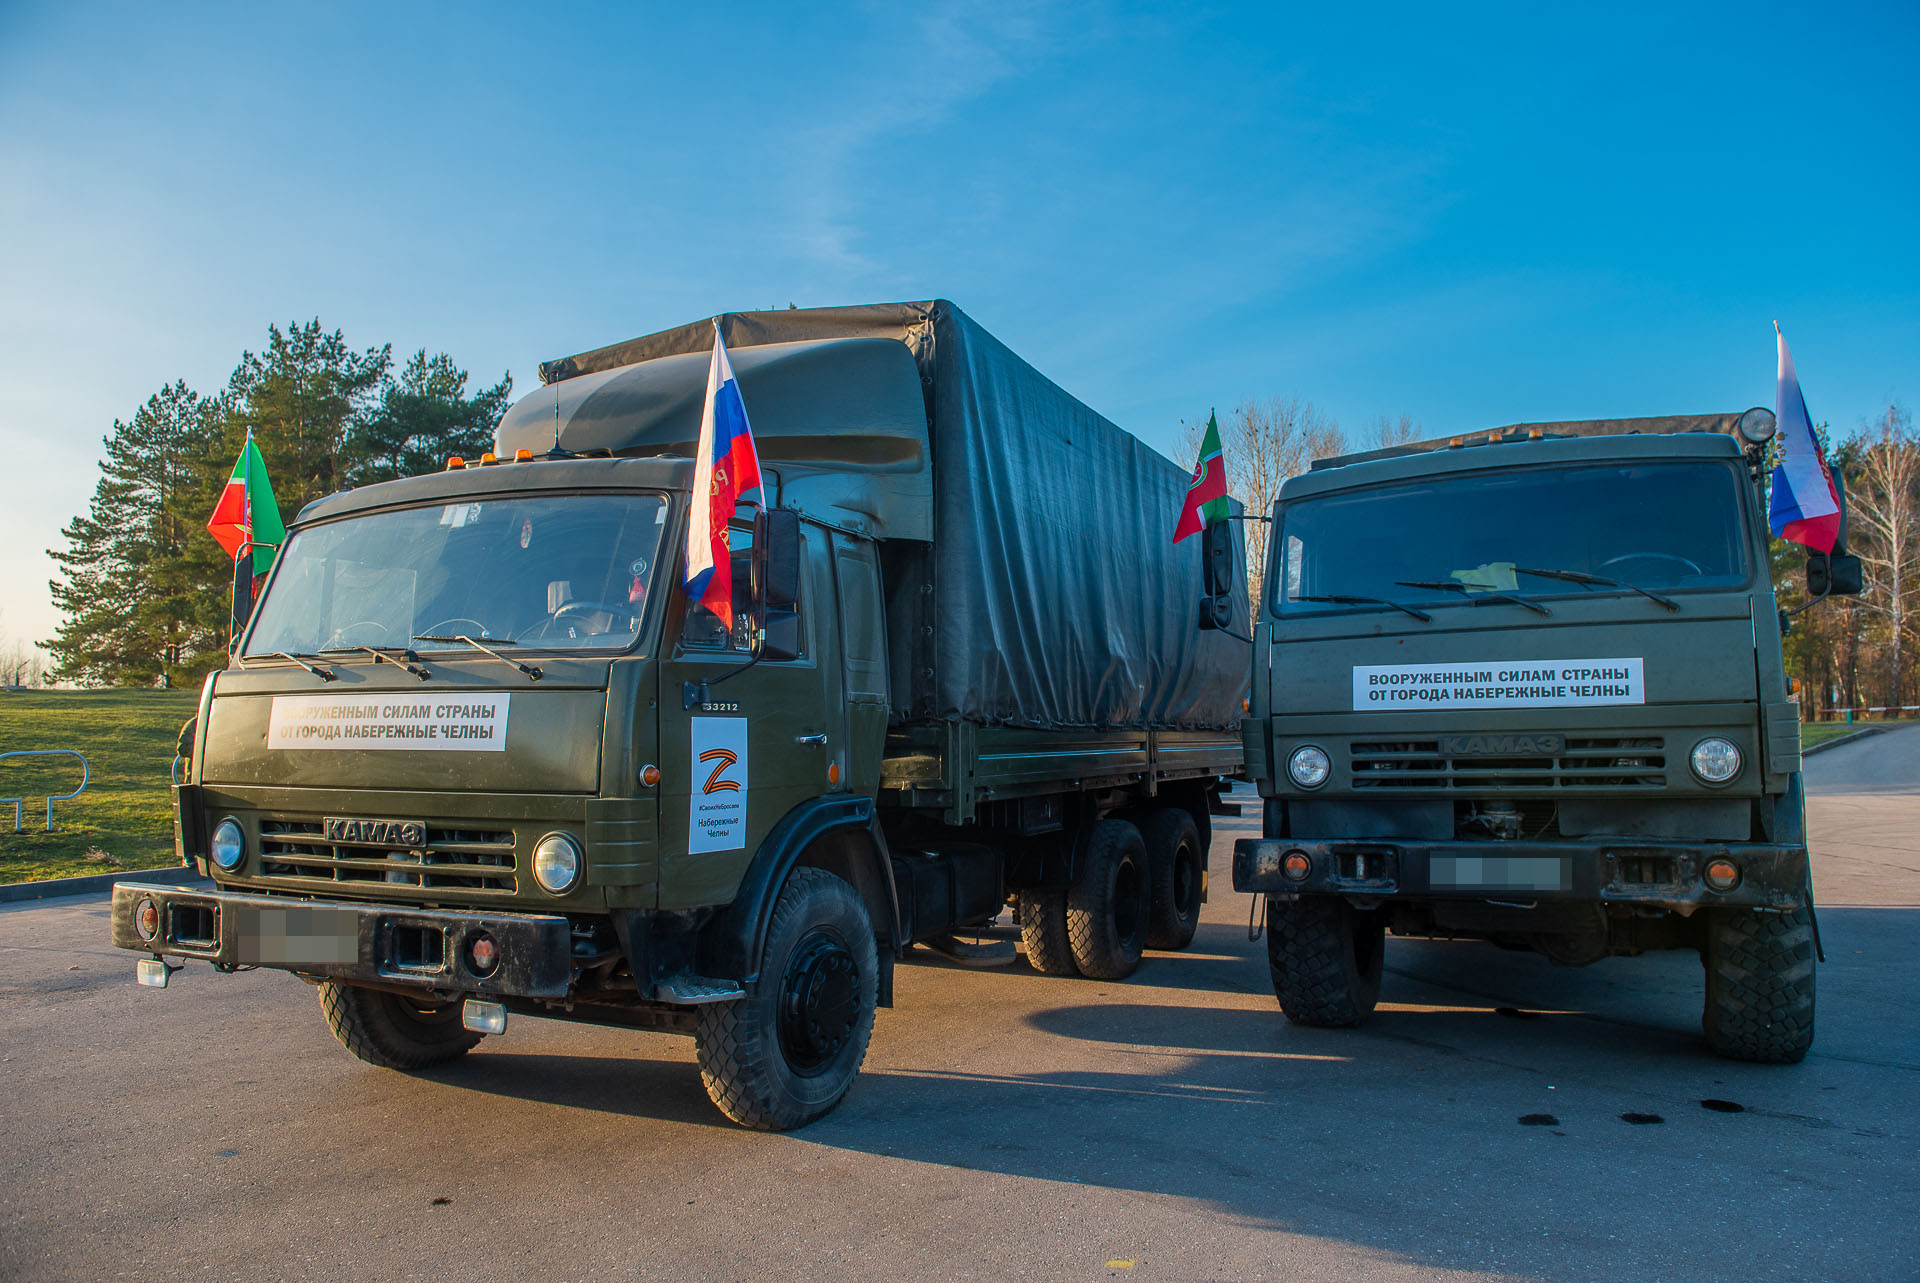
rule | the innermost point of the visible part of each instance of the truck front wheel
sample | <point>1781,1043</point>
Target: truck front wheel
<point>787,1052</point>
<point>1759,985</point>
<point>392,1031</point>
<point>1107,907</point>
<point>1174,873</point>
<point>1325,957</point>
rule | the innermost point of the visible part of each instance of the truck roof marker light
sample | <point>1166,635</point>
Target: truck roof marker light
<point>455,463</point>
<point>1535,434</point>
<point>523,455</point>
<point>1456,442</point>
<point>489,457</point>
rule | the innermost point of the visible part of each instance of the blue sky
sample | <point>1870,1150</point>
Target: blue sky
<point>1471,214</point>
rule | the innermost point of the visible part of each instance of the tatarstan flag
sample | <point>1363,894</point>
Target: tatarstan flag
<point>247,515</point>
<point>1207,492</point>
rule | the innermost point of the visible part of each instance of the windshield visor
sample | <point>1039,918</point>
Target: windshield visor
<point>554,572</point>
<point>1668,527</point>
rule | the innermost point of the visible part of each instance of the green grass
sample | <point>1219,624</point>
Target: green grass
<point>124,820</point>
<point>1812,733</point>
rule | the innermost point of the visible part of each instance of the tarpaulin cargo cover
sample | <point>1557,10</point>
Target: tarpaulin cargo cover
<point>1032,580</point>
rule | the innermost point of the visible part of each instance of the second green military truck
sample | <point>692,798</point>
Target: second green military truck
<point>478,753</point>
<point>1527,686</point>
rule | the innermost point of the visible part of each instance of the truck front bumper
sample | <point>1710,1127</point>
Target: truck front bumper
<point>393,946</point>
<point>1627,871</point>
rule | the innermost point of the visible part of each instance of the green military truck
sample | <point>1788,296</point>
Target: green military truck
<point>477,753</point>
<point>1527,687</point>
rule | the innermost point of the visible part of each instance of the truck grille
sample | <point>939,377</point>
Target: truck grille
<point>469,859</point>
<point>1593,763</point>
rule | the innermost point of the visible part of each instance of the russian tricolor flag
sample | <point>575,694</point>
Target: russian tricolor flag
<point>1805,507</point>
<point>726,474</point>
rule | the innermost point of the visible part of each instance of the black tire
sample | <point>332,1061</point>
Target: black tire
<point>392,1031</point>
<point>1043,931</point>
<point>1175,866</point>
<point>1107,907</point>
<point>787,1052</point>
<point>1325,957</point>
<point>1759,985</point>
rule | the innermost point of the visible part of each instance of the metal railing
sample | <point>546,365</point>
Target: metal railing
<point>19,803</point>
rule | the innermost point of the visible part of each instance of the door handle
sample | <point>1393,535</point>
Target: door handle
<point>817,738</point>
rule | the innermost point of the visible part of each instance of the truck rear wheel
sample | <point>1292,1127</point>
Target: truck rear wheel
<point>1174,873</point>
<point>787,1052</point>
<point>1325,957</point>
<point>1043,932</point>
<point>1107,907</point>
<point>392,1031</point>
<point>1759,985</point>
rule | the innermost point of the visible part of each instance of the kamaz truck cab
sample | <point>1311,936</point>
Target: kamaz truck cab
<point>1527,686</point>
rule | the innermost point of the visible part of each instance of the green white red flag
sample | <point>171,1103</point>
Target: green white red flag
<point>1207,492</point>
<point>247,515</point>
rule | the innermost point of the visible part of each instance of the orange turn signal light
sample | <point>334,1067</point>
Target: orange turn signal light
<point>1295,866</point>
<point>649,775</point>
<point>833,772</point>
<point>1721,875</point>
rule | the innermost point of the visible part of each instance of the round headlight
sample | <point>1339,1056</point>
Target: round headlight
<point>1309,766</point>
<point>1757,425</point>
<point>556,863</point>
<point>1715,760</point>
<point>228,845</point>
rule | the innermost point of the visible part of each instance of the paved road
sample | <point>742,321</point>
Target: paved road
<point>1008,1125</point>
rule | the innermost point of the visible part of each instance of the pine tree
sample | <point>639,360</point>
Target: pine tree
<point>126,602</point>
<point>421,418</point>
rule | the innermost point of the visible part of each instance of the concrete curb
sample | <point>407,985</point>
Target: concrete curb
<point>1860,734</point>
<point>54,888</point>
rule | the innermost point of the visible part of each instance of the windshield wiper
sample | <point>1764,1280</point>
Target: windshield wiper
<point>1454,585</point>
<point>380,654</point>
<point>1341,599</point>
<point>324,674</point>
<point>1588,581</point>
<point>533,673</point>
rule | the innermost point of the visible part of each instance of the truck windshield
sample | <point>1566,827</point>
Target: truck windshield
<point>555,572</point>
<point>1668,527</point>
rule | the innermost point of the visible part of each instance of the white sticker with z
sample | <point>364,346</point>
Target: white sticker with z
<point>717,803</point>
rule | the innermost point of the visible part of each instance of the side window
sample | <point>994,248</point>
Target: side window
<point>702,630</point>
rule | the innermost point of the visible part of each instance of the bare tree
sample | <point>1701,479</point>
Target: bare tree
<point>1265,442</point>
<point>1884,520</point>
<point>1384,433</point>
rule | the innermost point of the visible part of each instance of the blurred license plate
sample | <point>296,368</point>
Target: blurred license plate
<point>297,937</point>
<point>1499,872</point>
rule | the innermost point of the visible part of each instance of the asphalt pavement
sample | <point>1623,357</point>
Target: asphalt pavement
<point>1501,1117</point>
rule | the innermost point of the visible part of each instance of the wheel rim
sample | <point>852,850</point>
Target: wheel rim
<point>819,1002</point>
<point>1186,882</point>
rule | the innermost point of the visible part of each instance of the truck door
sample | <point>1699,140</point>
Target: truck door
<point>758,745</point>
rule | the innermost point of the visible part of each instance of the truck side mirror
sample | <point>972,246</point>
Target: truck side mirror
<point>776,559</point>
<point>1216,576</point>
<point>1834,576</point>
<point>1839,573</point>
<point>776,585</point>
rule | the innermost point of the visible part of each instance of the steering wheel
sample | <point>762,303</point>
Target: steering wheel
<point>579,609</point>
<point>1693,568</point>
<point>445,627</point>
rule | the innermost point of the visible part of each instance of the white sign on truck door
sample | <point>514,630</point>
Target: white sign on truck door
<point>717,802</point>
